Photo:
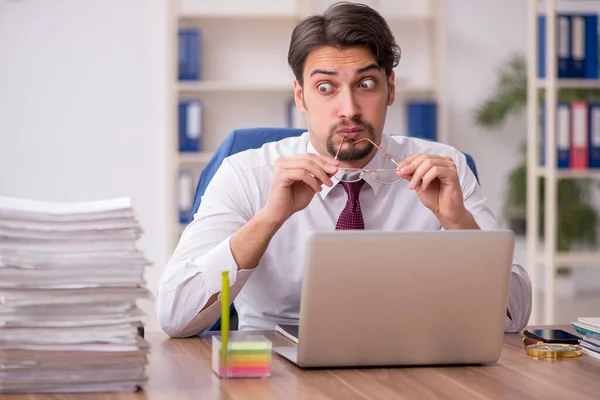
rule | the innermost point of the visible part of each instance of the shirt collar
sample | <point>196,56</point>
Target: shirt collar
<point>378,161</point>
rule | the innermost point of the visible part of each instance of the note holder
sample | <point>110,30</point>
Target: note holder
<point>242,358</point>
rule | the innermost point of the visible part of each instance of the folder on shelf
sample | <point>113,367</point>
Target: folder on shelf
<point>185,195</point>
<point>189,52</point>
<point>579,135</point>
<point>563,135</point>
<point>584,38</point>
<point>190,125</point>
<point>422,119</point>
<point>563,46</point>
<point>594,134</point>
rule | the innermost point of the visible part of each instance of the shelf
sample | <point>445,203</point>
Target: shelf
<point>563,83</point>
<point>572,173</point>
<point>216,86</point>
<point>577,259</point>
<point>193,16</point>
<point>195,158</point>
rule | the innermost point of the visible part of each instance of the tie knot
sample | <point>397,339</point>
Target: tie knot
<point>353,189</point>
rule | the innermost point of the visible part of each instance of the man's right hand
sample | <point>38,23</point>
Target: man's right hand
<point>295,181</point>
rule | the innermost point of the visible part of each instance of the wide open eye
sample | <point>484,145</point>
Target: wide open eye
<point>367,84</point>
<point>325,87</point>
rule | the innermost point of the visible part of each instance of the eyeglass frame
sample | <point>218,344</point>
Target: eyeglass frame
<point>363,171</point>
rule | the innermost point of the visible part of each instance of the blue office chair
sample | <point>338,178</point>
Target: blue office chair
<point>252,138</point>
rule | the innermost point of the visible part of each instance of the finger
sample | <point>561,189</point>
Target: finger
<point>317,170</point>
<point>440,167</point>
<point>430,176</point>
<point>410,161</point>
<point>407,170</point>
<point>301,175</point>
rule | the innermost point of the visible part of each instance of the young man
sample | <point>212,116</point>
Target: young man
<point>261,203</point>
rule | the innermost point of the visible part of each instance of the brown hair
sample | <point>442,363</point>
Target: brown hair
<point>343,25</point>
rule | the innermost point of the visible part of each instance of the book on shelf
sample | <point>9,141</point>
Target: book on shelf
<point>576,45</point>
<point>190,126</point>
<point>422,119</point>
<point>70,277</point>
<point>189,54</point>
<point>185,195</point>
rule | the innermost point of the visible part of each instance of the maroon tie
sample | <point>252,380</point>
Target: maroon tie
<point>351,216</point>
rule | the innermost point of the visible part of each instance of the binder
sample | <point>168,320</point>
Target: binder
<point>591,47</point>
<point>563,46</point>
<point>185,195</point>
<point>584,36</point>
<point>579,135</point>
<point>563,135</point>
<point>295,119</point>
<point>189,54</point>
<point>594,134</point>
<point>190,125</point>
<point>422,119</point>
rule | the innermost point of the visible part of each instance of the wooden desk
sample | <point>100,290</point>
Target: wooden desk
<point>181,369</point>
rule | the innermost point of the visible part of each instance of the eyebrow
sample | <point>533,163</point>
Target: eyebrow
<point>333,73</point>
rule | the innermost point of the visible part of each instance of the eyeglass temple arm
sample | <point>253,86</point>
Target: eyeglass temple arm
<point>367,139</point>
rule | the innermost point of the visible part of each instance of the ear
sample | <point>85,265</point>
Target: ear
<point>391,88</point>
<point>298,93</point>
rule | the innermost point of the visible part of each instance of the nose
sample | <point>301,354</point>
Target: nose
<point>348,106</point>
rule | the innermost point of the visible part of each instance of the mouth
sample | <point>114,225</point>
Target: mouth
<point>351,132</point>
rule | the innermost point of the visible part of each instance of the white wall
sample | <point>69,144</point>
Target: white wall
<point>480,36</point>
<point>82,105</point>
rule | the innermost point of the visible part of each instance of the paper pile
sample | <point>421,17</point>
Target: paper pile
<point>70,276</point>
<point>589,328</point>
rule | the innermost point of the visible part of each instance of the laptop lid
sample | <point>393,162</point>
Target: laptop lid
<point>374,298</point>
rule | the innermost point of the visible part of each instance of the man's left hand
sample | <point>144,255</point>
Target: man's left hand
<point>435,180</point>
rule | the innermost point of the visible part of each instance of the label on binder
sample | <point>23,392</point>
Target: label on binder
<point>194,120</point>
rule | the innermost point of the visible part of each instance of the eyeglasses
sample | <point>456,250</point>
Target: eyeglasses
<point>385,176</point>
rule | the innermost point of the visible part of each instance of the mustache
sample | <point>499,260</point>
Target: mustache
<point>354,122</point>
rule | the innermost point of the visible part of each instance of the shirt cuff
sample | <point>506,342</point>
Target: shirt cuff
<point>218,260</point>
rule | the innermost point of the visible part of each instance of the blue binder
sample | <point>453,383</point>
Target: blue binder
<point>422,119</point>
<point>190,125</point>
<point>563,135</point>
<point>594,134</point>
<point>563,46</point>
<point>189,54</point>
<point>185,196</point>
<point>584,40</point>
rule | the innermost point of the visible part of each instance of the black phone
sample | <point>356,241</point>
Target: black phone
<point>552,336</point>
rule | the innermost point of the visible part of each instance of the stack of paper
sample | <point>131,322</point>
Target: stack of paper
<point>70,277</point>
<point>589,328</point>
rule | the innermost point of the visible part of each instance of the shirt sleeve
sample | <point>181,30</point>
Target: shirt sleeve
<point>193,273</point>
<point>520,293</point>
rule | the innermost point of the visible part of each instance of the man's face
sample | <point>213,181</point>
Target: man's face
<point>345,94</point>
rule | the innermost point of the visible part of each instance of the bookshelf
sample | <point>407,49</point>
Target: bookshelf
<point>245,81</point>
<point>537,255</point>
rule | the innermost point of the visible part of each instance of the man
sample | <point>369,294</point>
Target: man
<point>261,203</point>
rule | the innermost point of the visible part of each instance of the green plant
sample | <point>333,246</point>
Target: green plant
<point>577,218</point>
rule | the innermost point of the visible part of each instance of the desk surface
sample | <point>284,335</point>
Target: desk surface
<point>181,369</point>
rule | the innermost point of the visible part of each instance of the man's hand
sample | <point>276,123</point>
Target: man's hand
<point>435,180</point>
<point>295,181</point>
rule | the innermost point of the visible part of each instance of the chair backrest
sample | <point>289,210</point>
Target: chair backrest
<point>253,138</point>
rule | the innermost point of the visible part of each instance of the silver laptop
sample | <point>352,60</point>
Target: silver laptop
<point>374,298</point>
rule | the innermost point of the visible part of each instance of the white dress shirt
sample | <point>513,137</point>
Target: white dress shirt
<point>270,293</point>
